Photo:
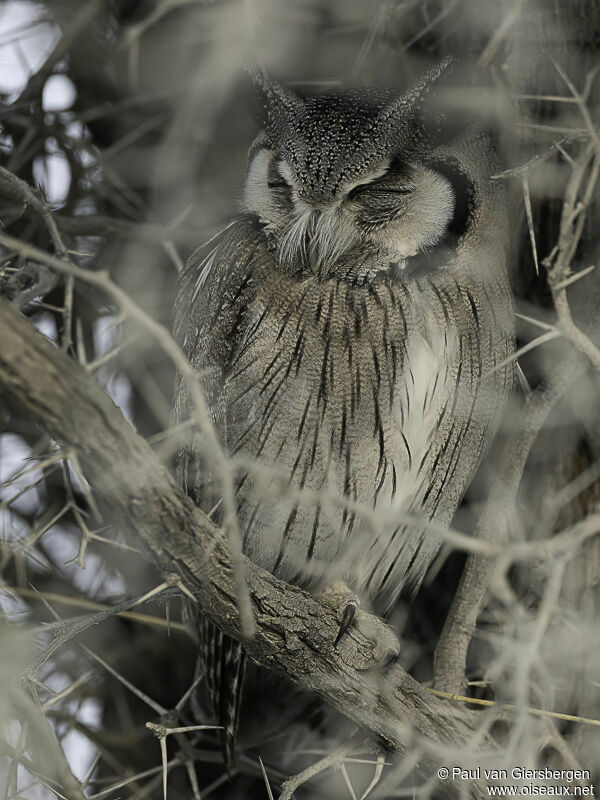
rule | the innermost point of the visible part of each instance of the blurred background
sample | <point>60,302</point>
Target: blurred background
<point>131,122</point>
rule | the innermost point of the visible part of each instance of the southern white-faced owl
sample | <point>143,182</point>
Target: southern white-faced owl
<point>352,328</point>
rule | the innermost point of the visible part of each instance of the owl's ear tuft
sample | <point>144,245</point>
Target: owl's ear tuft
<point>276,102</point>
<point>400,112</point>
<point>417,93</point>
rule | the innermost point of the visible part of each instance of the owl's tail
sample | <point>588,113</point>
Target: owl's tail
<point>222,666</point>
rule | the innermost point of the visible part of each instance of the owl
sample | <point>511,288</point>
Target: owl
<point>353,328</point>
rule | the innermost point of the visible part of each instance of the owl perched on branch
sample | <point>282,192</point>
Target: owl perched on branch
<point>353,328</point>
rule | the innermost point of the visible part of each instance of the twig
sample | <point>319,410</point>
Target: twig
<point>81,20</point>
<point>552,334</point>
<point>536,712</point>
<point>156,707</point>
<point>53,597</point>
<point>577,276</point>
<point>67,338</point>
<point>499,34</point>
<point>539,158</point>
<point>133,779</point>
<point>529,212</point>
<point>13,187</point>
<point>296,781</point>
<point>571,228</point>
<point>66,692</point>
<point>266,779</point>
<point>347,781</point>
<point>581,101</point>
<point>381,762</point>
<point>64,631</point>
<point>161,732</point>
<point>446,10</point>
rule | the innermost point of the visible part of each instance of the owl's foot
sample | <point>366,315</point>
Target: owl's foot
<point>386,645</point>
<point>347,605</point>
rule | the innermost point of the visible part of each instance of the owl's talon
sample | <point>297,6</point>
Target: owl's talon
<point>347,617</point>
<point>342,600</point>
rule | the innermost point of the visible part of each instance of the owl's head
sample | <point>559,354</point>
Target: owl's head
<point>340,178</point>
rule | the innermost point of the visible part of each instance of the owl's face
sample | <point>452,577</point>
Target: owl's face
<point>342,177</point>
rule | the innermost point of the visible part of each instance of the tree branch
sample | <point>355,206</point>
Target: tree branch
<point>295,633</point>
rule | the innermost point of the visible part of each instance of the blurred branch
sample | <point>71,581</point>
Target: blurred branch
<point>536,712</point>
<point>13,188</point>
<point>83,18</point>
<point>540,158</point>
<point>292,784</point>
<point>99,225</point>
<point>295,633</point>
<point>68,787</point>
<point>501,32</point>
<point>493,525</point>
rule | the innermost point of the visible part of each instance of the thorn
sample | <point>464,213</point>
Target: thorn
<point>523,382</point>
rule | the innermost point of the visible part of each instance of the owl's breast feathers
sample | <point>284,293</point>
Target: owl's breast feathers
<point>355,413</point>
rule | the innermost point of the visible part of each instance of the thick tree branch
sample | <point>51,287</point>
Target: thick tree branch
<point>295,633</point>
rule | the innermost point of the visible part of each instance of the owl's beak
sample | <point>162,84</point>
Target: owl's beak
<point>311,243</point>
<point>315,238</point>
<point>326,241</point>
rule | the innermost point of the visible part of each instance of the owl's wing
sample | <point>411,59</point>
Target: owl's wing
<point>210,307</point>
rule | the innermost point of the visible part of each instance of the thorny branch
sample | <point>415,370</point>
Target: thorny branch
<point>201,412</point>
